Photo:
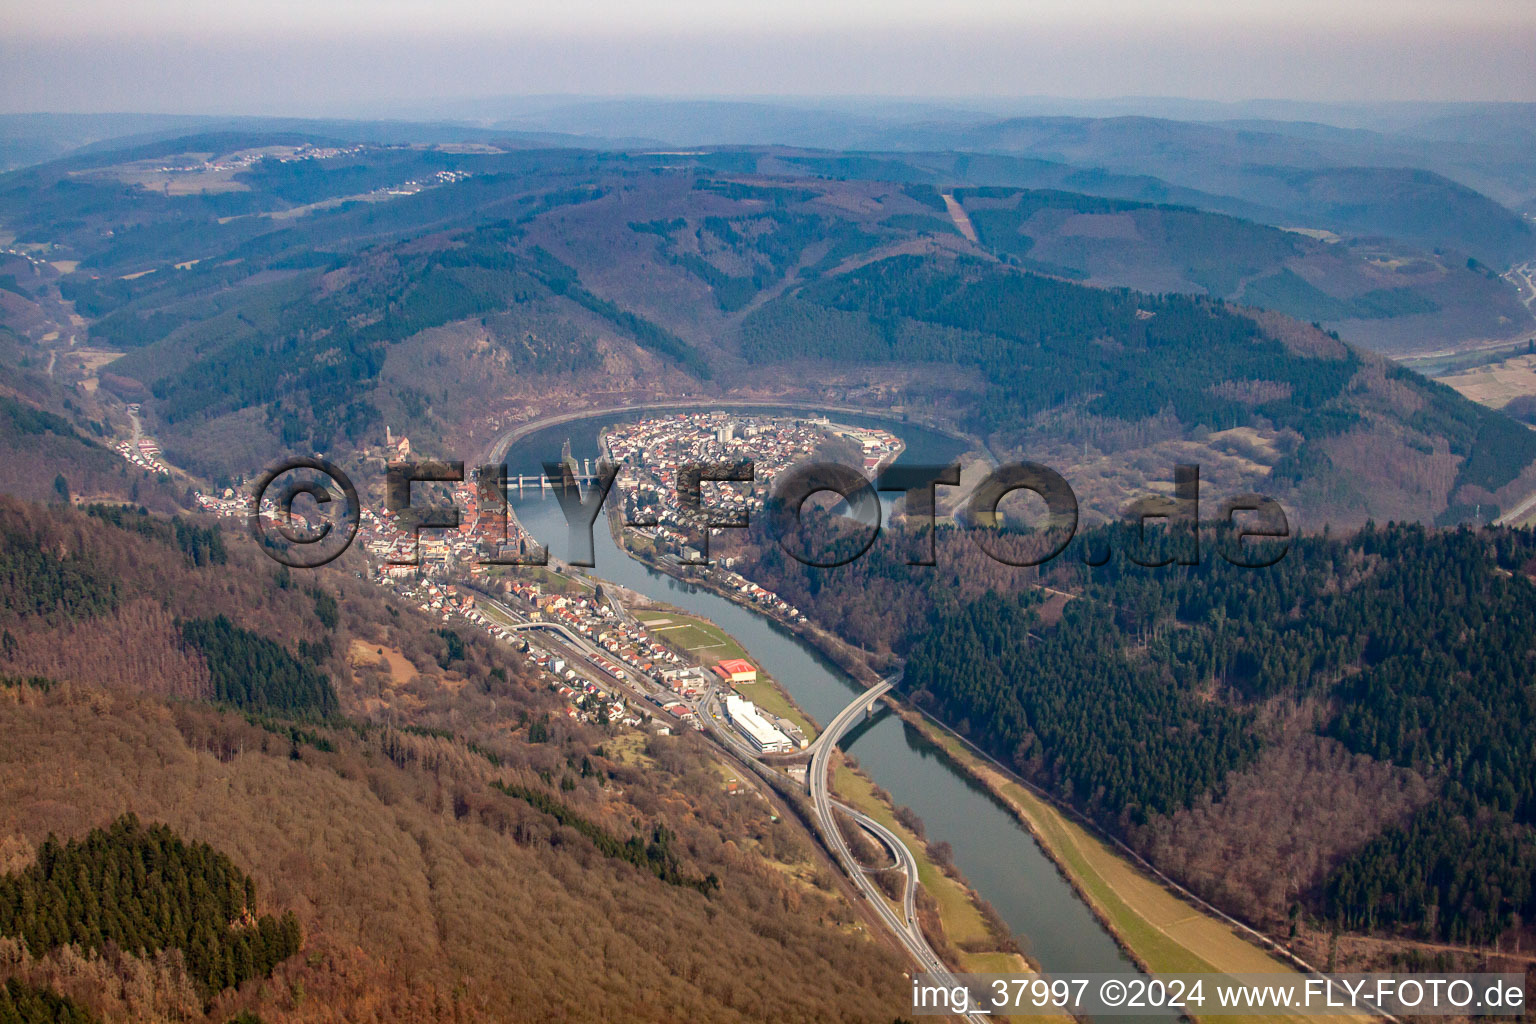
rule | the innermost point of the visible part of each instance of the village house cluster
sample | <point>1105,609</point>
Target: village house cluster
<point>608,667</point>
<point>410,188</point>
<point>652,453</point>
<point>246,158</point>
<point>588,699</point>
<point>228,503</point>
<point>145,455</point>
<point>396,553</point>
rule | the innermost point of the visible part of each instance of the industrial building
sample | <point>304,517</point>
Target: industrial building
<point>764,737</point>
<point>736,670</point>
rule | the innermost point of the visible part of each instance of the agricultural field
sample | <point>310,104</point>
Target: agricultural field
<point>1497,384</point>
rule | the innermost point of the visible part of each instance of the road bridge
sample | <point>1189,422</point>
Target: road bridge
<point>862,705</point>
<point>824,807</point>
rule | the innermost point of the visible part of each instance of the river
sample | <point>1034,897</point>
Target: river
<point>997,855</point>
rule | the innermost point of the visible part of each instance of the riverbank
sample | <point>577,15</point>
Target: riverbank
<point>994,849</point>
<point>967,932</point>
<point>850,659</point>
<point>499,448</point>
<point>1136,908</point>
<point>1158,929</point>
<point>682,632</point>
<point>1137,927</point>
<point>973,944</point>
<point>1161,931</point>
<point>967,939</point>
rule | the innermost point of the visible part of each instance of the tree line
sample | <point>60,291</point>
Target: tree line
<point>143,889</point>
<point>21,1003</point>
<point>202,545</point>
<point>58,587</point>
<point>251,671</point>
<point>656,855</point>
<point>1043,344</point>
<point>1420,643</point>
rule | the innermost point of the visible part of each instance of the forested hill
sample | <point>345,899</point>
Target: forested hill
<point>1160,697</point>
<point>146,889</point>
<point>306,294</point>
<point>408,788</point>
<point>115,596</point>
<point>1066,367</point>
<point>1380,294</point>
<point>1313,178</point>
<point>55,441</point>
<point>1052,343</point>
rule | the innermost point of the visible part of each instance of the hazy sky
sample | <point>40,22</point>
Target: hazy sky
<point>314,57</point>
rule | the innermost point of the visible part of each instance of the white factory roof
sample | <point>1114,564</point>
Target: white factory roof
<point>745,716</point>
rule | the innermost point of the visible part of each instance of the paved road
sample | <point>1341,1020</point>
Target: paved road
<point>907,933</point>
<point>1517,513</point>
<point>517,626</point>
<point>904,860</point>
<point>709,715</point>
<point>577,646</point>
<point>904,926</point>
<point>1523,277</point>
<point>847,717</point>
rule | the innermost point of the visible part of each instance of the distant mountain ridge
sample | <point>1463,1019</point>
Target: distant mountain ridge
<point>1252,154</point>
<point>304,301</point>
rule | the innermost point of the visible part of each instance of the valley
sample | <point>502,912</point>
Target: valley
<point>460,774</point>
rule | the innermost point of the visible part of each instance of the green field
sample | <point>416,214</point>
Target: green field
<point>495,614</point>
<point>708,643</point>
<point>698,637</point>
<point>693,639</point>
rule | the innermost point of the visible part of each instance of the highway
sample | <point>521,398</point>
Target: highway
<point>518,625</point>
<point>904,926</point>
<point>907,932</point>
<point>575,647</point>
<point>904,860</point>
<point>846,718</point>
<point>1516,514</point>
